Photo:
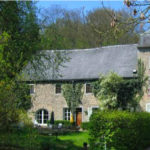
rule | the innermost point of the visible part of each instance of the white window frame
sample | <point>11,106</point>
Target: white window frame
<point>42,116</point>
<point>33,88</point>
<point>85,88</point>
<point>55,89</point>
<point>68,113</point>
<point>147,105</point>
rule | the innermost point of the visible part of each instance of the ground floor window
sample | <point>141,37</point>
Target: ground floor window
<point>148,107</point>
<point>42,116</point>
<point>67,113</point>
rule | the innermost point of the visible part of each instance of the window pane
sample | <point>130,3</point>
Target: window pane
<point>42,114</point>
<point>31,89</point>
<point>88,88</point>
<point>58,88</point>
<point>66,114</point>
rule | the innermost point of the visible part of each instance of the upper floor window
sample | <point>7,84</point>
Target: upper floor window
<point>58,88</point>
<point>88,88</point>
<point>32,89</point>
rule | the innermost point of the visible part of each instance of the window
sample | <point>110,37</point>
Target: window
<point>42,116</point>
<point>88,88</point>
<point>67,114</point>
<point>58,88</point>
<point>31,89</point>
<point>148,107</point>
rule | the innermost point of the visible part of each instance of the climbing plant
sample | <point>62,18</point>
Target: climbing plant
<point>72,93</point>
<point>115,92</point>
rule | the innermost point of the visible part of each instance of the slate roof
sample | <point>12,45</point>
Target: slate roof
<point>88,64</point>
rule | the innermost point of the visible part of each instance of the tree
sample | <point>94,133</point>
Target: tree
<point>70,29</point>
<point>139,15</point>
<point>19,35</point>
<point>19,20</point>
<point>99,21</point>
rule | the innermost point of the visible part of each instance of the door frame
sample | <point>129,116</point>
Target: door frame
<point>81,115</point>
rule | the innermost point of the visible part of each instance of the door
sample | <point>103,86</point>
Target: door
<point>78,116</point>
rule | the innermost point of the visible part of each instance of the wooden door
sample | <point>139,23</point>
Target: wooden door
<point>78,118</point>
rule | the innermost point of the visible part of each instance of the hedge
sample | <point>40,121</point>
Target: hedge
<point>85,125</point>
<point>119,130</point>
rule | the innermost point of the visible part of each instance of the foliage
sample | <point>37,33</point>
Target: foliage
<point>70,29</point>
<point>24,118</point>
<point>119,130</point>
<point>108,92</point>
<point>52,118</point>
<point>115,92</point>
<point>72,92</point>
<point>19,20</point>
<point>85,125</point>
<point>19,35</point>
<point>23,97</point>
<point>30,139</point>
<point>7,101</point>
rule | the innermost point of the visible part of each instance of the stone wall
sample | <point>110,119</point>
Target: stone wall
<point>46,98</point>
<point>144,55</point>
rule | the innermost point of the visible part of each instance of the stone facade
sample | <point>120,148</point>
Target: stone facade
<point>144,55</point>
<point>45,97</point>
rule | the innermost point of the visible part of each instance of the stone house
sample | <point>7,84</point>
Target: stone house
<point>85,65</point>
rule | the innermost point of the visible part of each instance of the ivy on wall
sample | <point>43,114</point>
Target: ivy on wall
<point>72,92</point>
<point>115,92</point>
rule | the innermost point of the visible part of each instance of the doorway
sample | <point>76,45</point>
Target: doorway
<point>78,116</point>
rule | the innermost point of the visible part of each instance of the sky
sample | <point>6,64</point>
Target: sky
<point>87,5</point>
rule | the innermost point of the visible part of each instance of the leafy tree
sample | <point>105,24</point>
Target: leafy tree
<point>18,19</point>
<point>70,29</point>
<point>19,35</point>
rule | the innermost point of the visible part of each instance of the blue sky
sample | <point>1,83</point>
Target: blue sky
<point>88,5</point>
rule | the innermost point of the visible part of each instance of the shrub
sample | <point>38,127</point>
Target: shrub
<point>85,125</point>
<point>120,130</point>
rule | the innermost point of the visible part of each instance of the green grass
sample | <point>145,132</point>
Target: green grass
<point>30,139</point>
<point>77,138</point>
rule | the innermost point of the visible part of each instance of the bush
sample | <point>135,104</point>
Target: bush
<point>120,130</point>
<point>85,125</point>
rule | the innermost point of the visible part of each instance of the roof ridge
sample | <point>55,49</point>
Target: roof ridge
<point>96,48</point>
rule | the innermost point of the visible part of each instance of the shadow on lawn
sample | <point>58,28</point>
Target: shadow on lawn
<point>44,144</point>
<point>51,145</point>
<point>59,145</point>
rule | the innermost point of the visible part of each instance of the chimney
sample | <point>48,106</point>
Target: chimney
<point>144,41</point>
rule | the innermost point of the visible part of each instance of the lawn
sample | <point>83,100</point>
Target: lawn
<point>76,138</point>
<point>29,139</point>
